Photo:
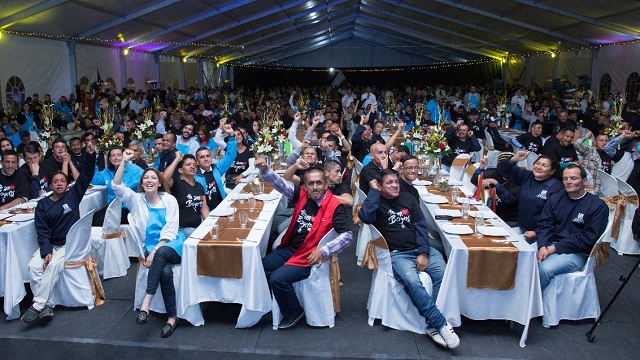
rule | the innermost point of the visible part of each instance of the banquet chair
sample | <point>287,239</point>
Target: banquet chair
<point>79,284</point>
<point>573,296</point>
<point>314,293</point>
<point>458,166</point>
<point>157,302</point>
<point>108,244</point>
<point>468,174</point>
<point>363,236</point>
<point>609,190</point>
<point>388,300</point>
<point>622,168</point>
<point>623,241</point>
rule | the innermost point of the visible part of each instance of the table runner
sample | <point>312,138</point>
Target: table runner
<point>491,265</point>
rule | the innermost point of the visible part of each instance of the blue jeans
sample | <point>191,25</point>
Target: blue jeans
<point>161,272</point>
<point>556,264</point>
<point>281,278</point>
<point>406,272</point>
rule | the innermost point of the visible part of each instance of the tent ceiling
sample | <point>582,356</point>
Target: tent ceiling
<point>264,31</point>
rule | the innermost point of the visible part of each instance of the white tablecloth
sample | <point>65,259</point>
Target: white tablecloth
<point>519,304</point>
<point>18,243</point>
<point>252,291</point>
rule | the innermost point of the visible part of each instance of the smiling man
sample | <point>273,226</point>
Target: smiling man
<point>570,224</point>
<point>316,213</point>
<point>398,217</point>
<point>14,185</point>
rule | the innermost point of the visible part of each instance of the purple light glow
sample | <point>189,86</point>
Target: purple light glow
<point>613,39</point>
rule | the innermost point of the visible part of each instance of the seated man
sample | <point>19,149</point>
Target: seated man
<point>212,175</point>
<point>53,218</point>
<point>408,174</point>
<point>14,184</point>
<point>138,152</point>
<point>60,161</point>
<point>316,213</point>
<point>340,189</point>
<point>530,141</point>
<point>38,183</point>
<point>398,217</point>
<point>570,224</point>
<point>561,146</point>
<point>379,161</point>
<point>461,141</point>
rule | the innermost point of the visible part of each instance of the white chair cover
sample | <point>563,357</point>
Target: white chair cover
<point>388,299</point>
<point>110,254</point>
<point>488,138</point>
<point>363,235</point>
<point>73,288</point>
<point>457,170</point>
<point>468,174</point>
<point>492,158</point>
<point>625,243</point>
<point>314,294</point>
<point>573,296</point>
<point>157,302</point>
<point>608,188</point>
<point>357,166</point>
<point>622,169</point>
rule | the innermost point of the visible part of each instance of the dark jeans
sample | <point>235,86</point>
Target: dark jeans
<point>281,278</point>
<point>161,272</point>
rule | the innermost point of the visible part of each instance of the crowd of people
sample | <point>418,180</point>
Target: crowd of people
<point>204,146</point>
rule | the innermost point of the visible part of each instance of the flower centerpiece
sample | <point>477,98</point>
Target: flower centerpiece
<point>615,127</point>
<point>271,138</point>
<point>146,129</point>
<point>107,140</point>
<point>49,112</point>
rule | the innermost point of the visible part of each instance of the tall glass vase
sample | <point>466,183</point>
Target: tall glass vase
<point>435,169</point>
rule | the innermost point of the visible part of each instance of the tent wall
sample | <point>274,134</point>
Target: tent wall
<point>619,62</point>
<point>105,60</point>
<point>42,65</point>
<point>170,71</point>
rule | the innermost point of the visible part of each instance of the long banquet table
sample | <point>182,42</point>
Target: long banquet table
<point>520,304</point>
<point>251,290</point>
<point>18,243</point>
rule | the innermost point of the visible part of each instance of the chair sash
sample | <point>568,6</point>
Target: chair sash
<point>356,179</point>
<point>460,162</point>
<point>370,260</point>
<point>356,219</point>
<point>115,235</point>
<point>334,280</point>
<point>471,170</point>
<point>350,161</point>
<point>601,252</point>
<point>619,202</point>
<point>90,264</point>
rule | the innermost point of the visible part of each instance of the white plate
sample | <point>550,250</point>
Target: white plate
<point>221,211</point>
<point>422,182</point>
<point>487,214</point>
<point>457,229</point>
<point>238,196</point>
<point>435,199</point>
<point>455,182</point>
<point>245,180</point>
<point>267,197</point>
<point>21,217</point>
<point>5,215</point>
<point>493,231</point>
<point>454,213</point>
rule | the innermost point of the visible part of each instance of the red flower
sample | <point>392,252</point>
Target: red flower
<point>442,145</point>
<point>405,211</point>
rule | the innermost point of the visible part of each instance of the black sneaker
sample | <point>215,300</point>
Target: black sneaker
<point>290,323</point>
<point>30,315</point>
<point>46,313</point>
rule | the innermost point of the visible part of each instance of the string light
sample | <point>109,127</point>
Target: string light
<point>440,65</point>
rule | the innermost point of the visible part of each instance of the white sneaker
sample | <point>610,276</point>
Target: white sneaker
<point>450,338</point>
<point>436,337</point>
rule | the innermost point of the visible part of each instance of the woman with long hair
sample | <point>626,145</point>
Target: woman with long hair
<point>243,162</point>
<point>156,214</point>
<point>205,139</point>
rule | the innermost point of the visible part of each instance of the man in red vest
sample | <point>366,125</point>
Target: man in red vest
<point>316,213</point>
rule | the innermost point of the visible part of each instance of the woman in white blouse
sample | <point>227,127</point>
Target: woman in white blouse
<point>156,214</point>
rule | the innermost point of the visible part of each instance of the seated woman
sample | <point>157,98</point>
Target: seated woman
<point>131,177</point>
<point>189,192</point>
<point>535,188</point>
<point>205,139</point>
<point>243,163</point>
<point>156,213</point>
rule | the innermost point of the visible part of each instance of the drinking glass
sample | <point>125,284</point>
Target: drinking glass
<point>213,232</point>
<point>454,195</point>
<point>241,197</point>
<point>252,204</point>
<point>31,207</point>
<point>465,208</point>
<point>232,215</point>
<point>479,222</point>
<point>244,218</point>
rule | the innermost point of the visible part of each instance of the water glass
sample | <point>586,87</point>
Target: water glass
<point>232,213</point>
<point>241,197</point>
<point>479,222</point>
<point>261,187</point>
<point>465,208</point>
<point>244,218</point>
<point>454,195</point>
<point>31,207</point>
<point>252,204</point>
<point>213,232</point>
